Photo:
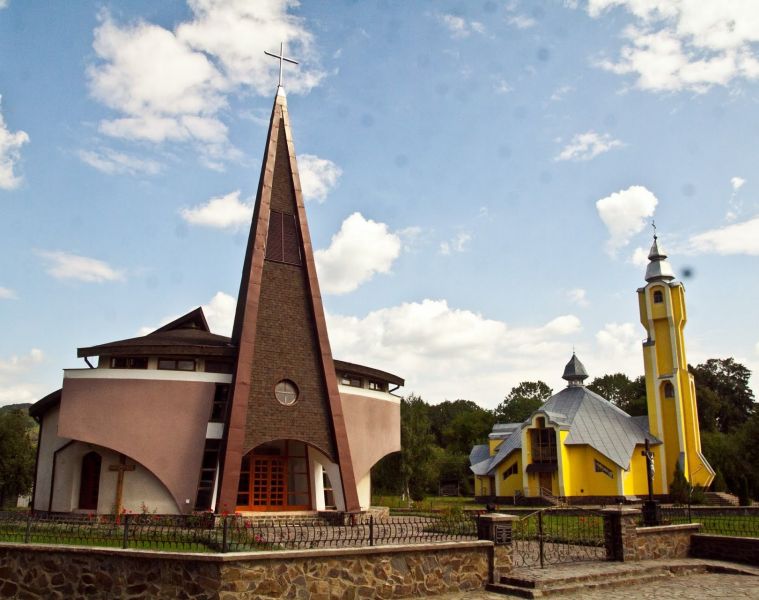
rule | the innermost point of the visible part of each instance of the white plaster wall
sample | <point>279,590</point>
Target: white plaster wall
<point>364,486</point>
<point>317,462</point>
<point>140,486</point>
<point>49,443</point>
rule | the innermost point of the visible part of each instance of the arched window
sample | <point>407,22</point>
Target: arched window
<point>89,486</point>
<point>658,297</point>
<point>669,390</point>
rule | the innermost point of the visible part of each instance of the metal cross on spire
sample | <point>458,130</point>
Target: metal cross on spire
<point>282,58</point>
<point>653,224</point>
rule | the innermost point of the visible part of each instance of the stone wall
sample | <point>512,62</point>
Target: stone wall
<point>666,541</point>
<point>626,541</point>
<point>723,547</point>
<point>49,572</point>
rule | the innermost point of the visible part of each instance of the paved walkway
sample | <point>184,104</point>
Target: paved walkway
<point>694,586</point>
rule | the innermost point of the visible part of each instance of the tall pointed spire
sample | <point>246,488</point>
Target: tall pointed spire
<point>280,330</point>
<point>658,268</point>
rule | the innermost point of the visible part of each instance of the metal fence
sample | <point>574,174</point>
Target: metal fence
<point>740,522</point>
<point>206,533</point>
<point>552,536</point>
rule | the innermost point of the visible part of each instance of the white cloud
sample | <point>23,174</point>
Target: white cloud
<point>219,312</point>
<point>639,257</point>
<point>360,249</point>
<point>170,85</point>
<point>3,4</point>
<point>445,352</point>
<point>685,44</point>
<point>16,364</point>
<point>318,176</point>
<point>501,86</point>
<point>579,296</point>
<point>116,163</point>
<point>737,183</point>
<point>7,294</point>
<point>15,368</point>
<point>10,154</point>
<point>65,265</point>
<point>585,146</point>
<point>458,243</point>
<point>521,21</point>
<point>618,339</point>
<point>223,212</point>
<point>459,27</point>
<point>738,238</point>
<point>560,92</point>
<point>625,214</point>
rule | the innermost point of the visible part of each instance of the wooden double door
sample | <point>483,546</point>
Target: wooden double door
<point>275,477</point>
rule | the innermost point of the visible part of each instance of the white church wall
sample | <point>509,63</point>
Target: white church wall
<point>49,443</point>
<point>142,491</point>
<point>317,459</point>
<point>364,486</point>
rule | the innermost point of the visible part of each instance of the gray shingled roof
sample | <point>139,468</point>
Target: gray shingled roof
<point>479,459</point>
<point>590,420</point>
<point>596,422</point>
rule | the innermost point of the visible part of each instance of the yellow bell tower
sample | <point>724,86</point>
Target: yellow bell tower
<point>670,390</point>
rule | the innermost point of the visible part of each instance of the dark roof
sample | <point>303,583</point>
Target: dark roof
<point>575,370</point>
<point>341,365</point>
<point>40,407</point>
<point>187,335</point>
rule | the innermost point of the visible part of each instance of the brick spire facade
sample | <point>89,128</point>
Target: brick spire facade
<point>280,330</point>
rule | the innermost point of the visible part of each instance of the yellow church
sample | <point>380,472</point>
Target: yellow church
<point>581,448</point>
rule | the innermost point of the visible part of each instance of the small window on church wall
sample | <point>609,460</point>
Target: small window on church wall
<point>286,392</point>
<point>512,470</point>
<point>602,468</point>
<point>127,362</point>
<point>669,390</point>
<point>173,364</point>
<point>351,380</point>
<point>658,297</point>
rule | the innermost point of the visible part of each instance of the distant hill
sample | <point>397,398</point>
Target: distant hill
<point>24,406</point>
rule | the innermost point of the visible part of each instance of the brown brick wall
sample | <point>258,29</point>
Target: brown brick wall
<point>286,345</point>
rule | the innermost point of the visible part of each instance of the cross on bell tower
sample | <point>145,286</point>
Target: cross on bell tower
<point>282,59</point>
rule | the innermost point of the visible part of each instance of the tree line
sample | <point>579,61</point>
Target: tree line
<point>436,439</point>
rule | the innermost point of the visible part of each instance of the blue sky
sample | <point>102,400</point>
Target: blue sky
<point>480,177</point>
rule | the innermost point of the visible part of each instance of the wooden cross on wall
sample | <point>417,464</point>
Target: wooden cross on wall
<point>120,468</point>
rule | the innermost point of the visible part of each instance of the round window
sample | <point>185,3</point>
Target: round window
<point>286,392</point>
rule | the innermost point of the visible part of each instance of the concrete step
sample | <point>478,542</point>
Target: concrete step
<point>721,499</point>
<point>568,578</point>
<point>526,588</point>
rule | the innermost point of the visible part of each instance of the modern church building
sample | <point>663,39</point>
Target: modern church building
<point>581,448</point>
<point>184,420</point>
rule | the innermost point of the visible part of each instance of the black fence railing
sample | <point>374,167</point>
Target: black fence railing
<point>552,536</point>
<point>206,533</point>
<point>740,522</point>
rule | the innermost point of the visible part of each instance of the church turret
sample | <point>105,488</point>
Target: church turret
<point>574,372</point>
<point>670,389</point>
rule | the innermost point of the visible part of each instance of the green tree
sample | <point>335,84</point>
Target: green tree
<point>418,450</point>
<point>620,390</point>
<point>679,489</point>
<point>467,429</point>
<point>16,456</point>
<point>729,402</point>
<point>523,400</point>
